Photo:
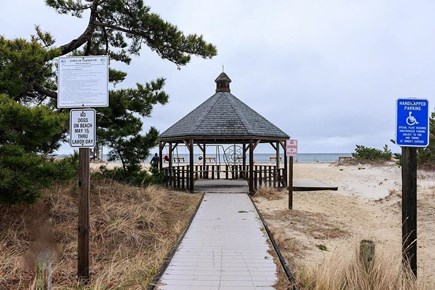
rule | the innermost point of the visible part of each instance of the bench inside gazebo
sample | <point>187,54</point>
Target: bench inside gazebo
<point>223,120</point>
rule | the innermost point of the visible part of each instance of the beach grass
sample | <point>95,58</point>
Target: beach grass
<point>132,230</point>
<point>344,270</point>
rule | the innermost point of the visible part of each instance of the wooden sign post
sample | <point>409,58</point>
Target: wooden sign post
<point>409,208</point>
<point>290,183</point>
<point>291,148</point>
<point>83,220</point>
<point>94,72</point>
<point>412,131</point>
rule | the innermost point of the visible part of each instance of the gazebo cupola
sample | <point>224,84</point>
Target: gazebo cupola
<point>223,83</point>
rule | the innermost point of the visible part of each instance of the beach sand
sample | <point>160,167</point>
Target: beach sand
<point>367,205</point>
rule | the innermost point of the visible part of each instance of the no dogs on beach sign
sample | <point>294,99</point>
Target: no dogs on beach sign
<point>82,128</point>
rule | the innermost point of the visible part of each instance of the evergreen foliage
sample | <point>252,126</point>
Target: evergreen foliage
<point>27,136</point>
<point>30,124</point>
<point>35,129</point>
<point>23,174</point>
<point>426,156</point>
<point>364,153</point>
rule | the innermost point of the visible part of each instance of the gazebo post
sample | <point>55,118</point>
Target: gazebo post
<point>192,188</point>
<point>170,155</point>
<point>251,167</point>
<point>161,146</point>
<point>244,160</point>
<point>204,162</point>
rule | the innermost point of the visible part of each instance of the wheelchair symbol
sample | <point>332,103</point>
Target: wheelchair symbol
<point>411,120</point>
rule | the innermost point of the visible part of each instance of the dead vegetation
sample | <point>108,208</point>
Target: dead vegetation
<point>132,231</point>
<point>302,234</point>
<point>344,270</point>
<point>269,193</point>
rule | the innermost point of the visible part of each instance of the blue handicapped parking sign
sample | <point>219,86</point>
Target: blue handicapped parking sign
<point>412,123</point>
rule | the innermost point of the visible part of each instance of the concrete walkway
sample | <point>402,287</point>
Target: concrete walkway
<point>226,246</point>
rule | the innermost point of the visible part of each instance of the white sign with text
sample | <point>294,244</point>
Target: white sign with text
<point>83,81</point>
<point>82,128</point>
<point>291,147</point>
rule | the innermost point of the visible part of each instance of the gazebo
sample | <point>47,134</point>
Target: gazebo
<point>225,120</point>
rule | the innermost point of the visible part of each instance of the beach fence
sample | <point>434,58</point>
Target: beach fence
<point>179,177</point>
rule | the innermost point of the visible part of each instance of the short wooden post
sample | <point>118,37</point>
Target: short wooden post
<point>367,254</point>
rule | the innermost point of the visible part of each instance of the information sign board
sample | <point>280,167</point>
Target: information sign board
<point>83,82</point>
<point>82,128</point>
<point>412,123</point>
<point>291,147</point>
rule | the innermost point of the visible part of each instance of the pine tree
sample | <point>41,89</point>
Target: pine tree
<point>117,28</point>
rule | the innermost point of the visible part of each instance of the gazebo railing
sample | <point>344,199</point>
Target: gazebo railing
<point>263,175</point>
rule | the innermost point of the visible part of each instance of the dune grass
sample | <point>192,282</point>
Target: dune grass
<point>131,231</point>
<point>344,271</point>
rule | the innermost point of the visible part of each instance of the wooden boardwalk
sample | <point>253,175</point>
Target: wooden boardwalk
<point>225,247</point>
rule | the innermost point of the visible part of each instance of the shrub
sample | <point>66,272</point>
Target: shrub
<point>364,153</point>
<point>138,178</point>
<point>23,174</point>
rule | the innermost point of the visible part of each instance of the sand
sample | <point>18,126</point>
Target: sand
<point>367,205</point>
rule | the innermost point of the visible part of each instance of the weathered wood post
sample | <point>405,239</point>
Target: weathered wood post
<point>290,183</point>
<point>409,208</point>
<point>191,177</point>
<point>367,254</point>
<point>83,219</point>
<point>412,132</point>
<point>251,167</point>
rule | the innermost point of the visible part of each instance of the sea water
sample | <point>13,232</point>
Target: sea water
<point>258,157</point>
<point>269,157</point>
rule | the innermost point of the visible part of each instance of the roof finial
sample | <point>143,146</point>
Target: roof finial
<point>223,68</point>
<point>223,83</point>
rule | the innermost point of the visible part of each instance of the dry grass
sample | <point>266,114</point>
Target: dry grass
<point>344,271</point>
<point>269,193</point>
<point>131,232</point>
<point>298,231</point>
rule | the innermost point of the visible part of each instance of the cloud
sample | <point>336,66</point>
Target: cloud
<point>326,72</point>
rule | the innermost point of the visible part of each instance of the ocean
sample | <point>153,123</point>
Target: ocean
<point>258,157</point>
<point>266,157</point>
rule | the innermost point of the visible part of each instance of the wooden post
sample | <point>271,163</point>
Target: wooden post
<point>83,218</point>
<point>285,168</point>
<point>191,187</point>
<point>409,208</point>
<point>251,167</point>
<point>244,162</point>
<point>204,152</point>
<point>367,254</point>
<point>290,183</point>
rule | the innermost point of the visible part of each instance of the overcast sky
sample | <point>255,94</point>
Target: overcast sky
<point>328,73</point>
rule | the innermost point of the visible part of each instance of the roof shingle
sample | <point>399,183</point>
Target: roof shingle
<point>223,116</point>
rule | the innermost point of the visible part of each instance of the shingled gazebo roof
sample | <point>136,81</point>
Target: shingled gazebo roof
<point>223,117</point>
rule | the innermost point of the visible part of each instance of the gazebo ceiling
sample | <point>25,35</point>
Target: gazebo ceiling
<point>223,118</point>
